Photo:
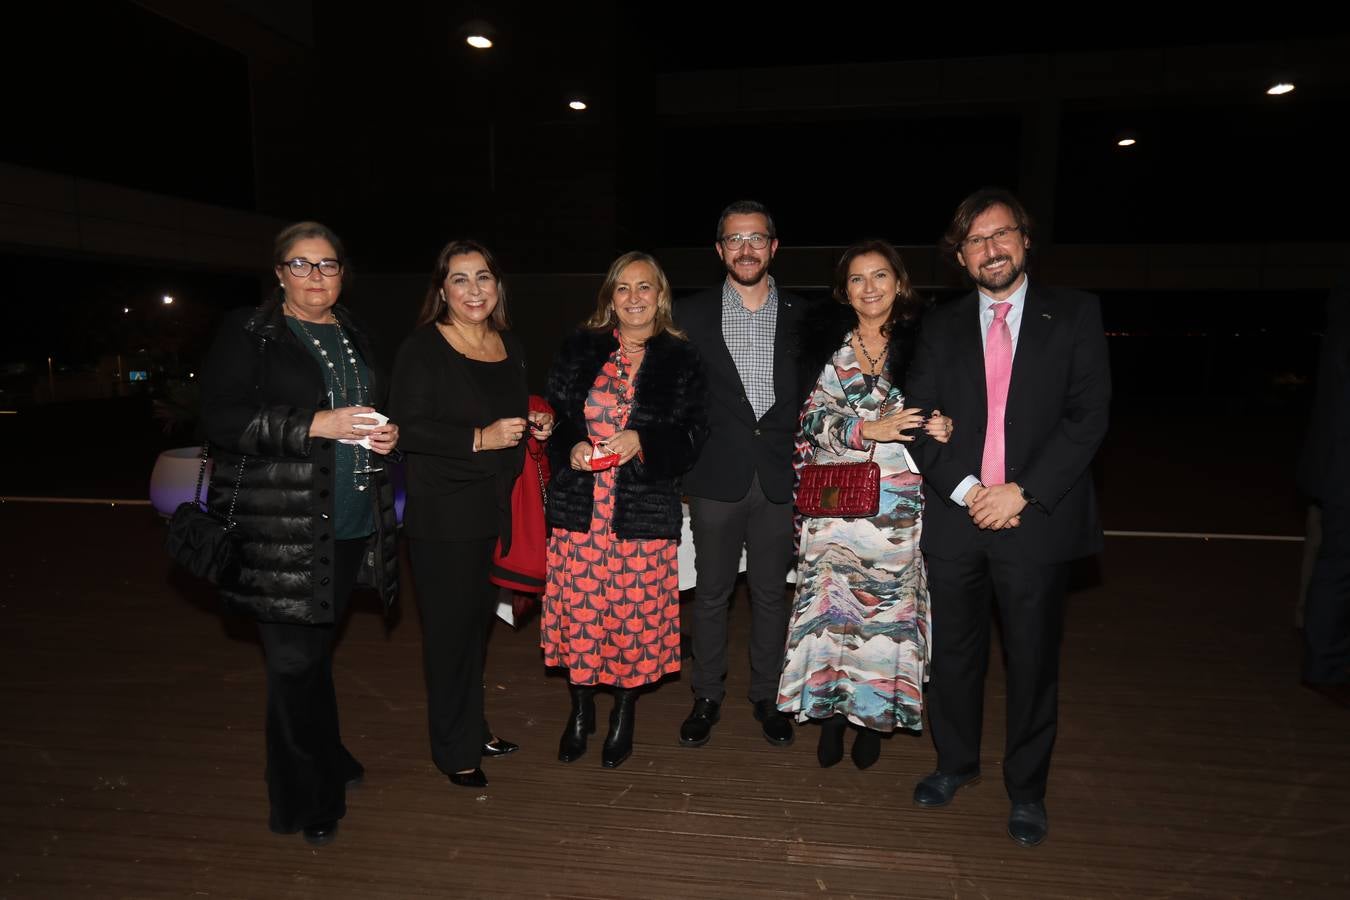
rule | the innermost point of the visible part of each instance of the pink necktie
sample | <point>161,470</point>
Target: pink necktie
<point>997,374</point>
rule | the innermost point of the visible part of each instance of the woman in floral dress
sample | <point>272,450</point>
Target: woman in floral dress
<point>857,647</point>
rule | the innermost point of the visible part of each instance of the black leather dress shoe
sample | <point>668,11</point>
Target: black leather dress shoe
<point>698,727</point>
<point>938,789</point>
<point>321,833</point>
<point>1027,823</point>
<point>499,747</point>
<point>777,727</point>
<point>474,779</point>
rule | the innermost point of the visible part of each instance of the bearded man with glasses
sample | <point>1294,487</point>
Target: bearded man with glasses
<point>740,490</point>
<point>1009,502</point>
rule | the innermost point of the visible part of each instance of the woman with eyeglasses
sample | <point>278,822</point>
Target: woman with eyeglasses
<point>459,391</point>
<point>857,642</point>
<point>290,393</point>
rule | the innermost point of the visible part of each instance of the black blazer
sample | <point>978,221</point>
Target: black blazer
<point>739,446</point>
<point>669,414</point>
<point>437,404</point>
<point>1058,405</point>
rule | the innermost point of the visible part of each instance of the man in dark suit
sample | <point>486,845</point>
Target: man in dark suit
<point>740,491</point>
<point>1324,476</point>
<point>1022,370</point>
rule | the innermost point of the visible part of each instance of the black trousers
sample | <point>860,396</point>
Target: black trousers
<point>1326,612</point>
<point>456,601</point>
<point>307,766</point>
<point>1030,600</point>
<point>720,529</point>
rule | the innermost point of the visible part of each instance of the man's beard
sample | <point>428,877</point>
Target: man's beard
<point>1000,282</point>
<point>759,276</point>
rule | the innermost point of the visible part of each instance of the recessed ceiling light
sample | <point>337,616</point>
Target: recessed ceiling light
<point>1282,87</point>
<point>578,105</point>
<point>1126,142</point>
<point>478,41</point>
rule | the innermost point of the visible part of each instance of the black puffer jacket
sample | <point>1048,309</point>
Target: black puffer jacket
<point>260,390</point>
<point>669,414</point>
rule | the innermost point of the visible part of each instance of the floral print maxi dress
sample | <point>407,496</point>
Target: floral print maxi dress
<point>611,608</point>
<point>858,636</point>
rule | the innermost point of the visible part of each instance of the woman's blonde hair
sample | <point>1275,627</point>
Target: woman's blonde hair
<point>604,317</point>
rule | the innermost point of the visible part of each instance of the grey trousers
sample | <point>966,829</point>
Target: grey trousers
<point>720,529</point>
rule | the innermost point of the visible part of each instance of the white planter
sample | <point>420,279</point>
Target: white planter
<point>174,478</point>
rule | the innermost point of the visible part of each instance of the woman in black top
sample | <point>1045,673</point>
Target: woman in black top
<point>459,395</point>
<point>286,390</point>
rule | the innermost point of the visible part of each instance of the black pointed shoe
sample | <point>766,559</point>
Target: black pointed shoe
<point>619,742</point>
<point>776,726</point>
<point>321,833</point>
<point>499,747</point>
<point>473,779</point>
<point>697,729</point>
<point>580,723</point>
<point>1027,823</point>
<point>938,789</point>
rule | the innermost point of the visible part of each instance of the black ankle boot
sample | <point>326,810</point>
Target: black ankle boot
<point>866,748</point>
<point>580,722</point>
<point>619,741</point>
<point>831,747</point>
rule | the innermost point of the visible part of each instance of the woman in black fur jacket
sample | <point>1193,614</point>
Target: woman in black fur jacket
<point>628,392</point>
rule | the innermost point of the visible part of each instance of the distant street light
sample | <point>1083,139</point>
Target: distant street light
<point>1280,88</point>
<point>478,41</point>
<point>125,310</point>
<point>578,105</point>
<point>1126,142</point>
<point>168,300</point>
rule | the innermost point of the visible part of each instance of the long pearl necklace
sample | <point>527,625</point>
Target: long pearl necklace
<point>361,479</point>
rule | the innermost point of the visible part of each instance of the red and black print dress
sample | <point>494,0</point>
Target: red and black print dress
<point>611,608</point>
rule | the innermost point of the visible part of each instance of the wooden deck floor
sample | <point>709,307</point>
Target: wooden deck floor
<point>1190,763</point>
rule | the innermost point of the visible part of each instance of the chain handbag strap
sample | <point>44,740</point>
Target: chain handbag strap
<point>536,457</point>
<point>234,493</point>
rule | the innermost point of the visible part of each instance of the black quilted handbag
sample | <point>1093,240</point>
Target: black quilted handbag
<point>202,542</point>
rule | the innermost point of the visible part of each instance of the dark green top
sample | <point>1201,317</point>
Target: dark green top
<point>353,509</point>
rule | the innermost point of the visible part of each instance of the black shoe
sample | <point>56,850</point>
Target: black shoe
<point>866,748</point>
<point>777,727</point>
<point>580,722</point>
<point>698,727</point>
<point>938,789</point>
<point>1027,823</point>
<point>830,749</point>
<point>499,747</point>
<point>322,833</point>
<point>474,779</point>
<point>619,742</point>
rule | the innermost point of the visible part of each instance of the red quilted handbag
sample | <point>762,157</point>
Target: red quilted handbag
<point>840,490</point>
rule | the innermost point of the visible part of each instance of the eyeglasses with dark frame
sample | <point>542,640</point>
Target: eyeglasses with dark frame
<point>976,242</point>
<point>737,241</point>
<point>301,267</point>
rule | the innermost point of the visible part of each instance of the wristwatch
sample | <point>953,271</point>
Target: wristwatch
<point>1030,500</point>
